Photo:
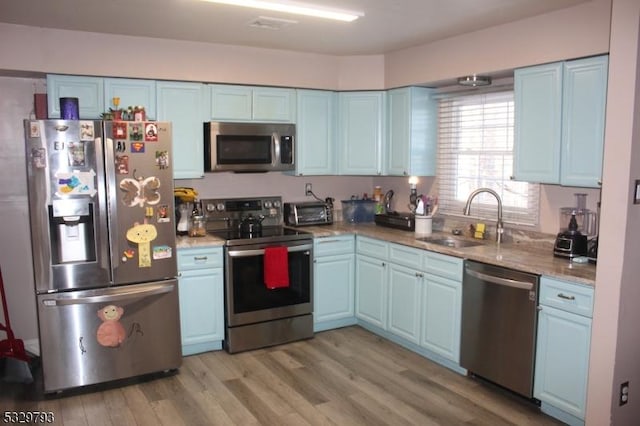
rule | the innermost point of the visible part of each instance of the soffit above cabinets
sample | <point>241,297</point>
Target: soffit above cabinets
<point>386,25</point>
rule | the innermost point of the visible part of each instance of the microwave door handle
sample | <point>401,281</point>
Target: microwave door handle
<point>275,139</point>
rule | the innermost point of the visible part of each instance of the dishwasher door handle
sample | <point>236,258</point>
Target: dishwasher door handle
<point>499,280</point>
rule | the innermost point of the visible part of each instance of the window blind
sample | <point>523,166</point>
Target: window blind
<point>475,149</point>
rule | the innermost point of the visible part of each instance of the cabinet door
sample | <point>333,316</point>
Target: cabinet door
<point>404,302</point>
<point>412,132</point>
<point>316,132</point>
<point>361,117</point>
<point>131,92</point>
<point>371,291</point>
<point>333,288</point>
<point>231,102</point>
<point>186,105</point>
<point>274,104</point>
<point>583,114</point>
<point>441,306</point>
<point>201,309</point>
<point>562,360</point>
<point>538,131</point>
<point>88,90</point>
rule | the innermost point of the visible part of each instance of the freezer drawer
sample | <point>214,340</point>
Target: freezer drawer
<point>95,336</point>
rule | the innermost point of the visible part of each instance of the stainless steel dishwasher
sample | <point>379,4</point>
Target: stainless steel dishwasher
<point>499,318</point>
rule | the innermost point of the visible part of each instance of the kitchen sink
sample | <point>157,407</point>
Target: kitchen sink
<point>450,242</point>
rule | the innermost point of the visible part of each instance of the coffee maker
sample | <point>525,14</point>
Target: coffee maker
<point>573,241</point>
<point>570,243</point>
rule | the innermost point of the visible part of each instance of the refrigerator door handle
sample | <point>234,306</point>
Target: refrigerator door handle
<point>112,194</point>
<point>120,295</point>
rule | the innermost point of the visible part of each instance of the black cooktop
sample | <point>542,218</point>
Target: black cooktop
<point>272,234</point>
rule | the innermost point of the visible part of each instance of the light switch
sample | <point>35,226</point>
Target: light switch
<point>636,194</point>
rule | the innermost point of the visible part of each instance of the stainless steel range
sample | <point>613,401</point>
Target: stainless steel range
<point>268,273</point>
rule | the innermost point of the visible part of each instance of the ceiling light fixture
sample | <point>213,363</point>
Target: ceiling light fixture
<point>474,80</point>
<point>295,8</point>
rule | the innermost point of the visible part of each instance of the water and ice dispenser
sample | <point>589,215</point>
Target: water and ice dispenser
<point>72,231</point>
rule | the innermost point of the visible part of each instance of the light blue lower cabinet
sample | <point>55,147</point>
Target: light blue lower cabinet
<point>201,293</point>
<point>441,316</point>
<point>562,362</point>
<point>562,349</point>
<point>371,291</point>
<point>404,302</point>
<point>412,297</point>
<point>333,292</point>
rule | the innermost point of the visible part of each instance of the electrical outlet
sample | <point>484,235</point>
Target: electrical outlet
<point>624,393</point>
<point>307,189</point>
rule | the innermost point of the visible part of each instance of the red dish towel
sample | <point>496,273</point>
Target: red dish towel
<point>276,267</point>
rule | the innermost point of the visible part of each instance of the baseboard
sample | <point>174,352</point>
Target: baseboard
<point>32,346</point>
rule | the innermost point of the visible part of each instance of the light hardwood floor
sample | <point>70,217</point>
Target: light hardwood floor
<point>340,377</point>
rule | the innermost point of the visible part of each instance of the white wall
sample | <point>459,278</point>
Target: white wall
<point>16,104</point>
<point>582,30</point>
<point>82,53</point>
<point>615,341</point>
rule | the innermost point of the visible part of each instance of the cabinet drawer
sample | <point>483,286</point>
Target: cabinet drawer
<point>570,297</point>
<point>371,247</point>
<point>201,258</point>
<point>329,246</point>
<point>407,256</point>
<point>442,265</point>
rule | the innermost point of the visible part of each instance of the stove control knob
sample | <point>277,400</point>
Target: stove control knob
<point>276,204</point>
<point>220,207</point>
<point>211,207</point>
<point>267,204</point>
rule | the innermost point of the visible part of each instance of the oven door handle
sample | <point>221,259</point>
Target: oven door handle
<point>258,252</point>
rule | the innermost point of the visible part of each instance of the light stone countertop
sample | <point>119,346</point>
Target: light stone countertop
<point>515,255</point>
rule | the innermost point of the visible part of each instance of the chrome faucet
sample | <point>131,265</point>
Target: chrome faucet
<point>499,225</point>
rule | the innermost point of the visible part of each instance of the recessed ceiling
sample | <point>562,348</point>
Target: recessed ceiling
<point>387,25</point>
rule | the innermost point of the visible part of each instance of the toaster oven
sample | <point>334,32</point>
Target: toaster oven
<point>308,213</point>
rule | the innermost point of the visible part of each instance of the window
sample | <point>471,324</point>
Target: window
<point>475,149</point>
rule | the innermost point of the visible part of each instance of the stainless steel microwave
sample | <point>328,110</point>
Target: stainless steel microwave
<point>249,147</point>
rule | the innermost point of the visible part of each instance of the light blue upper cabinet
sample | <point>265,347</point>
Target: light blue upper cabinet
<point>186,105</point>
<point>274,104</point>
<point>231,102</point>
<point>316,132</point>
<point>559,122</point>
<point>131,92</point>
<point>583,116</point>
<point>361,132</point>
<point>88,90</point>
<point>538,113</point>
<point>249,103</point>
<point>412,132</point>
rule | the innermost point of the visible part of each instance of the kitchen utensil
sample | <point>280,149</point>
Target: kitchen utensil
<point>251,225</point>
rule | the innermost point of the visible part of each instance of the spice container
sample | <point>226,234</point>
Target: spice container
<point>197,226</point>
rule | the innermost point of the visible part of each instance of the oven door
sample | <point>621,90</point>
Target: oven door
<point>249,301</point>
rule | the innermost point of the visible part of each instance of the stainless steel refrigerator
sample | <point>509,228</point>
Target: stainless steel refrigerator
<point>103,237</point>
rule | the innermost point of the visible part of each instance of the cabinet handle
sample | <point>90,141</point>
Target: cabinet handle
<point>419,274</point>
<point>200,258</point>
<point>384,264</point>
<point>564,296</point>
<point>328,241</point>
